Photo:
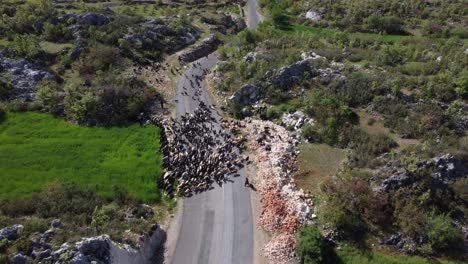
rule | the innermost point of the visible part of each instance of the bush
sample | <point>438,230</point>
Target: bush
<point>391,56</point>
<point>384,24</point>
<point>99,59</point>
<point>47,95</point>
<point>5,86</point>
<point>58,32</point>
<point>353,207</point>
<point>442,234</point>
<point>280,19</point>
<point>462,87</point>
<point>2,114</point>
<point>309,132</point>
<point>410,218</point>
<point>310,246</point>
<point>110,101</point>
<point>24,46</point>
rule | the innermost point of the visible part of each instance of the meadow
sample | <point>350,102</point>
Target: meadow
<point>38,149</point>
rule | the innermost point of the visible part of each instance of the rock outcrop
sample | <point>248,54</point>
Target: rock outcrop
<point>24,76</point>
<point>155,34</point>
<point>289,75</point>
<point>88,19</point>
<point>8,235</point>
<point>296,120</point>
<point>247,95</point>
<point>99,249</point>
<point>206,47</point>
<point>444,169</point>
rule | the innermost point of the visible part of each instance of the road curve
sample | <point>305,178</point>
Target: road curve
<point>253,17</point>
<point>216,225</point>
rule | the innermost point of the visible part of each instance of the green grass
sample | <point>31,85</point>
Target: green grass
<point>352,255</point>
<point>51,47</point>
<point>295,28</point>
<point>38,149</point>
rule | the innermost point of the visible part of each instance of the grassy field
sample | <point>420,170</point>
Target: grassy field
<point>351,255</point>
<point>323,31</point>
<point>38,149</point>
<point>315,163</point>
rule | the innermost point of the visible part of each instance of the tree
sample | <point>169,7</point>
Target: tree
<point>310,246</point>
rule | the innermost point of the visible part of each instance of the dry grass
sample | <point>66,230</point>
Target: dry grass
<point>374,126</point>
<point>316,162</point>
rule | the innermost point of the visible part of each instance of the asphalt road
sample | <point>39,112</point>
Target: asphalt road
<point>216,225</point>
<point>253,17</point>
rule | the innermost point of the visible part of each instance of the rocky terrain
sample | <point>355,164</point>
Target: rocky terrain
<point>24,77</point>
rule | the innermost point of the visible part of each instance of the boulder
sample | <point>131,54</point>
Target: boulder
<point>56,223</point>
<point>289,75</point>
<point>19,258</point>
<point>11,233</point>
<point>40,255</point>
<point>80,46</point>
<point>296,120</point>
<point>313,15</point>
<point>400,178</point>
<point>448,168</point>
<point>96,247</point>
<point>206,47</point>
<point>250,57</point>
<point>140,211</point>
<point>79,259</point>
<point>240,25</point>
<point>247,95</point>
<point>24,76</point>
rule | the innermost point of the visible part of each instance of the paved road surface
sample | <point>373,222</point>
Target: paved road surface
<point>216,225</point>
<point>253,17</point>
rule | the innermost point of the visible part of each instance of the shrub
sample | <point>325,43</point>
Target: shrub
<point>24,46</point>
<point>442,234</point>
<point>99,59</point>
<point>309,132</point>
<point>391,56</point>
<point>462,87</point>
<point>24,245</point>
<point>310,245</point>
<point>5,85</point>
<point>2,114</point>
<point>58,32</point>
<point>352,206</point>
<point>410,217</point>
<point>279,18</point>
<point>47,95</point>
<point>385,24</point>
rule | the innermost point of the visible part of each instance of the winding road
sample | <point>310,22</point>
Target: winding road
<point>216,225</point>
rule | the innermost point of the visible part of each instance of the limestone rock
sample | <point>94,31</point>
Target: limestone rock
<point>25,76</point>
<point>206,47</point>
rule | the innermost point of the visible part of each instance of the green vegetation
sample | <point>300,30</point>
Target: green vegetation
<point>310,247</point>
<point>352,255</point>
<point>316,162</point>
<point>386,92</point>
<point>38,149</point>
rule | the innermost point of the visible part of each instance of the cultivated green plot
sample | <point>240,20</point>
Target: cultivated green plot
<point>38,149</point>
